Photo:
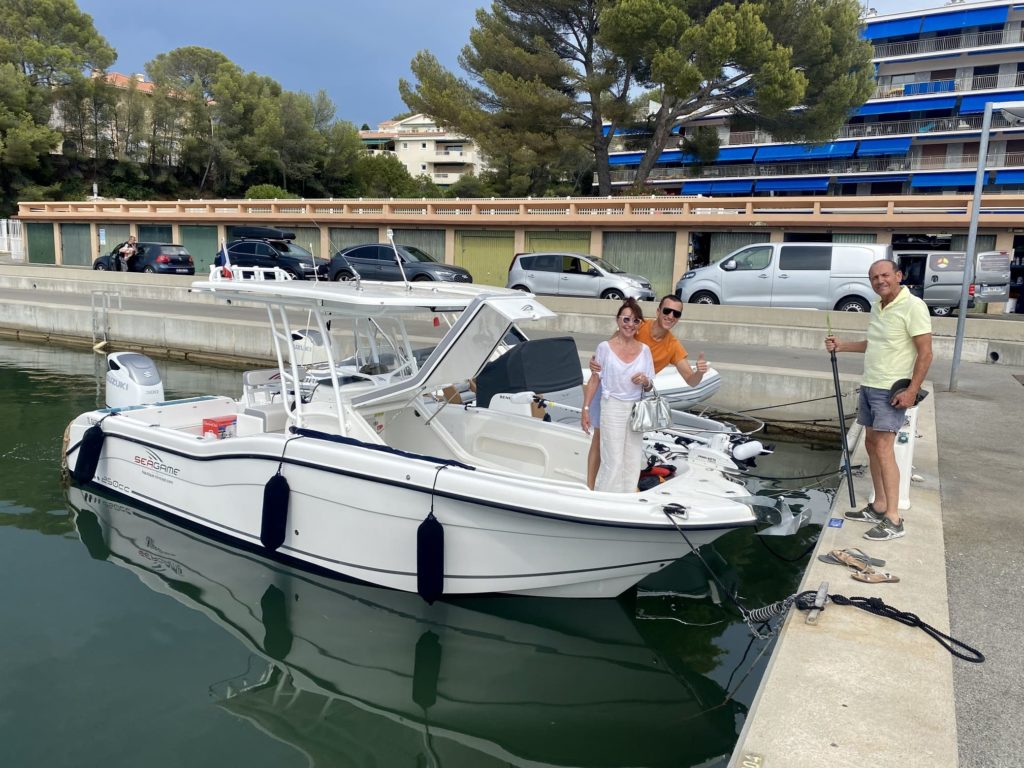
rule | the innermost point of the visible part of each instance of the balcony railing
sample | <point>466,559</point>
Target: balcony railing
<point>896,163</point>
<point>949,43</point>
<point>952,85</point>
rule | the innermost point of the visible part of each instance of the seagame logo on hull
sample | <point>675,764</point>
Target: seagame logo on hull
<point>155,464</point>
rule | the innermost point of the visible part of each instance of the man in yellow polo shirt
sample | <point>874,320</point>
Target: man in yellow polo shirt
<point>665,350</point>
<point>898,346</point>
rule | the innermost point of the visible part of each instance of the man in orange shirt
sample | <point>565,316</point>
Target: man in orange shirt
<point>666,350</point>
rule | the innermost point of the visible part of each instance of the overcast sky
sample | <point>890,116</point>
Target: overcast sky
<point>355,51</point>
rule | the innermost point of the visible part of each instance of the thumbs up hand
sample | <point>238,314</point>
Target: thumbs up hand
<point>702,364</point>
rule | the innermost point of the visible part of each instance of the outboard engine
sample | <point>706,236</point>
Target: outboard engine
<point>308,347</point>
<point>132,379</point>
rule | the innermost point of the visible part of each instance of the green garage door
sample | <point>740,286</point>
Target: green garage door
<point>110,235</point>
<point>566,242</point>
<point>343,237</point>
<point>723,243</point>
<point>307,237</point>
<point>650,254</point>
<point>485,254</point>
<point>41,248</point>
<point>429,240</point>
<point>76,250</point>
<point>201,242</point>
<point>155,233</point>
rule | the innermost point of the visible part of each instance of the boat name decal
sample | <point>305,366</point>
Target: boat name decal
<point>157,464</point>
<point>159,562</point>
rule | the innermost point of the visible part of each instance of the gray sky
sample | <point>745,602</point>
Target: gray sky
<point>355,51</point>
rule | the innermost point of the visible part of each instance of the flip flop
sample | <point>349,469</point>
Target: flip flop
<point>842,557</point>
<point>875,577</point>
<point>860,554</point>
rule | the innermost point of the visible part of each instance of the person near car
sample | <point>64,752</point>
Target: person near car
<point>898,346</point>
<point>627,371</point>
<point>126,253</point>
<point>666,350</point>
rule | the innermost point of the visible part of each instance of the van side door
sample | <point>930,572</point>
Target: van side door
<point>802,276</point>
<point>944,278</point>
<point>750,282</point>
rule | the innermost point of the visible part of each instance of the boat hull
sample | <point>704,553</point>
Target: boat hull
<point>356,511</point>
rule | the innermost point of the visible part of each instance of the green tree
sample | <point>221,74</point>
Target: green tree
<point>795,67</point>
<point>540,87</point>
<point>384,176</point>
<point>267,192</point>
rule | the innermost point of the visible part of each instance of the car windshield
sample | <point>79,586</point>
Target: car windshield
<point>607,266</point>
<point>295,250</point>
<point>415,254</point>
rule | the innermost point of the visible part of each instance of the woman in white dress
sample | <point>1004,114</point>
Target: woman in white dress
<point>627,369</point>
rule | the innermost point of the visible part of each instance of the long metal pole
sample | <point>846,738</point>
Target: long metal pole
<point>842,430</point>
<point>972,239</point>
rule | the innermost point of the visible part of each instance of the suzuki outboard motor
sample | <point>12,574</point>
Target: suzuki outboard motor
<point>132,379</point>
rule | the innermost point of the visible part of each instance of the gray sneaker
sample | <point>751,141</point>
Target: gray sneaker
<point>885,530</point>
<point>867,515</point>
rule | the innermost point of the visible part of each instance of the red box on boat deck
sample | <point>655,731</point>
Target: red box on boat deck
<point>219,427</point>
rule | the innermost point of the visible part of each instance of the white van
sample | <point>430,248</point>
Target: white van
<point>938,276</point>
<point>801,275</point>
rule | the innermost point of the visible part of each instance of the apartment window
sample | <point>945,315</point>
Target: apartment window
<point>405,145</point>
<point>423,166</point>
<point>423,145</point>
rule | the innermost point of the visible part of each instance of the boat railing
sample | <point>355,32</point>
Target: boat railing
<point>235,272</point>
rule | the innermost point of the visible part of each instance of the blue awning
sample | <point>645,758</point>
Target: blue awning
<point>974,104</point>
<point>866,179</point>
<point>906,105</point>
<point>980,17</point>
<point>955,179</point>
<point>819,184</point>
<point>627,158</point>
<point>894,28</point>
<point>1010,177</point>
<point>874,147</point>
<point>734,154</point>
<point>730,187</point>
<point>778,152</point>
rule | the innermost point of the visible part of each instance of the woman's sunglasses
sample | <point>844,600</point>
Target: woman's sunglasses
<point>630,320</point>
<point>676,313</point>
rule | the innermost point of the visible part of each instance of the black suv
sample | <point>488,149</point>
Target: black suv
<point>163,258</point>
<point>377,262</point>
<point>268,247</point>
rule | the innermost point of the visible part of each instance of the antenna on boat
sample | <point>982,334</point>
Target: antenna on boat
<point>398,259</point>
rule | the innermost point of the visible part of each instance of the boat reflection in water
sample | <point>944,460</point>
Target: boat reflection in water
<point>352,674</point>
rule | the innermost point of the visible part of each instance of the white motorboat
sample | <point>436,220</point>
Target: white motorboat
<point>367,474</point>
<point>345,669</point>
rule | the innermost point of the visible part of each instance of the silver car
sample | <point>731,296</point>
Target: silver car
<point>575,274</point>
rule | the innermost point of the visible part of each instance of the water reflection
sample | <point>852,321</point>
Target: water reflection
<point>353,674</point>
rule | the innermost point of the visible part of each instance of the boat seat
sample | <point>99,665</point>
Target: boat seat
<point>273,417</point>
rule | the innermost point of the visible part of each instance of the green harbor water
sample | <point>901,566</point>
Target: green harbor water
<point>128,641</point>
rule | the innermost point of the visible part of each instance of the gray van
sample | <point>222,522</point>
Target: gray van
<point>801,275</point>
<point>575,274</point>
<point>938,276</point>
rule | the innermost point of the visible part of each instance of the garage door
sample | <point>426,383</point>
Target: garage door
<point>307,237</point>
<point>76,250</point>
<point>41,244</point>
<point>723,243</point>
<point>110,235</point>
<point>429,240</point>
<point>155,233</point>
<point>650,254</point>
<point>485,254</point>
<point>343,237</point>
<point>567,242</point>
<point>202,243</point>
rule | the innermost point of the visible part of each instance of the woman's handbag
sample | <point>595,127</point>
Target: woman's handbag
<point>650,413</point>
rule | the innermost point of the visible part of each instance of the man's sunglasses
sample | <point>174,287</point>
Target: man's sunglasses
<point>676,313</point>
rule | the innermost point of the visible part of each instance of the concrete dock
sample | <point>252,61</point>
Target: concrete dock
<point>853,689</point>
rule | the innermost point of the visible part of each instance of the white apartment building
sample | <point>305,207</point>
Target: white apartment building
<point>426,149</point>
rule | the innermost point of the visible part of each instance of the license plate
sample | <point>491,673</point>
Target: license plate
<point>181,271</point>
